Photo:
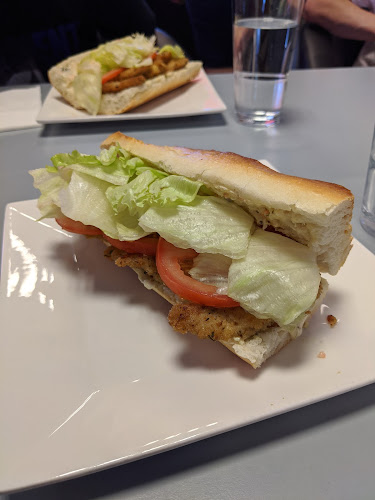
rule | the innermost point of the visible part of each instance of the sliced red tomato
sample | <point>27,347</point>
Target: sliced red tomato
<point>74,226</point>
<point>146,245</point>
<point>168,262</point>
<point>110,75</point>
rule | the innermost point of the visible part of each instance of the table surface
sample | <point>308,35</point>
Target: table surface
<point>325,450</point>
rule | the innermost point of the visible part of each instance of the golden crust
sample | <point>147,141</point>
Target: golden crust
<point>314,213</point>
<point>145,263</point>
<point>190,161</point>
<point>214,323</point>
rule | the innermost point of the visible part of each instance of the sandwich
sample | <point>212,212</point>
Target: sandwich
<point>122,74</point>
<point>235,247</point>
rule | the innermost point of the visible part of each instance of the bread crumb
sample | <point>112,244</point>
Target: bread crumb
<point>322,355</point>
<point>331,320</point>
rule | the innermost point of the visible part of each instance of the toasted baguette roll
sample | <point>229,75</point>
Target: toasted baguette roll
<point>63,74</point>
<point>314,213</point>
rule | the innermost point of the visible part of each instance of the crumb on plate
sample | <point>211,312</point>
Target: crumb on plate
<point>331,320</point>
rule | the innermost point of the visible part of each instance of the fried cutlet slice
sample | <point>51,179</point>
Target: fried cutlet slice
<point>187,317</point>
<point>217,324</point>
<point>252,339</point>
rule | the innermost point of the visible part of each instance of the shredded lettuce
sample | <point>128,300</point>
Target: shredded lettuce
<point>128,52</point>
<point>208,225</point>
<point>127,198</point>
<point>133,197</point>
<point>278,278</point>
<point>110,190</point>
<point>113,165</point>
<point>174,50</point>
<point>84,200</point>
<point>152,188</point>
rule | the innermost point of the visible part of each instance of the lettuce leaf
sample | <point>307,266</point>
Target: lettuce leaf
<point>174,50</point>
<point>87,85</point>
<point>49,184</point>
<point>113,165</point>
<point>128,52</point>
<point>208,225</point>
<point>109,191</point>
<point>133,197</point>
<point>278,278</point>
<point>84,200</point>
<point>152,187</point>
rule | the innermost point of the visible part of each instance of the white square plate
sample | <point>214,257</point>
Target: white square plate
<point>91,374</point>
<point>198,97</point>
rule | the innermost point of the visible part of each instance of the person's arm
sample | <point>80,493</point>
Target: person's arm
<point>341,18</point>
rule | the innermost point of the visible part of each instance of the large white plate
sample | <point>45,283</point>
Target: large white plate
<point>196,98</point>
<point>91,374</point>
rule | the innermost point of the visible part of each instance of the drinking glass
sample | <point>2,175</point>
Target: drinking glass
<point>367,217</point>
<point>264,39</point>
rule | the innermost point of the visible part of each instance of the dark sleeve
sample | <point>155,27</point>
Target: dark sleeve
<point>126,17</point>
<point>34,38</point>
<point>211,22</point>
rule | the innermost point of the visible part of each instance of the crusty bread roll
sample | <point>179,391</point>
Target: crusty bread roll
<point>63,74</point>
<point>314,213</point>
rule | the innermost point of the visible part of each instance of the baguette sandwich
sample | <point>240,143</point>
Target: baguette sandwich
<point>121,75</point>
<point>235,247</point>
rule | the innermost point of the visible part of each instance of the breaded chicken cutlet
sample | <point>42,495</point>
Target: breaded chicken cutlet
<point>187,317</point>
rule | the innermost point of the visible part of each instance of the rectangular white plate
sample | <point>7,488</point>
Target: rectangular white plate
<point>91,374</point>
<point>198,97</point>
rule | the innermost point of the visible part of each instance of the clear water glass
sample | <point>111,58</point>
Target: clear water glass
<point>264,39</point>
<point>367,217</point>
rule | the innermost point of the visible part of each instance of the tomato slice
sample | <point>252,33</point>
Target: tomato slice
<point>74,226</point>
<point>168,259</point>
<point>146,245</point>
<point>110,75</point>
